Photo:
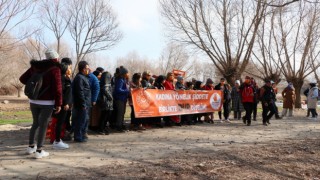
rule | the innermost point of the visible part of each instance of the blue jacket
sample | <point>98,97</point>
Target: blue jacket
<point>81,92</point>
<point>94,86</point>
<point>121,91</point>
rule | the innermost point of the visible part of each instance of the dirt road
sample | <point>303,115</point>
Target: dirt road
<point>287,149</point>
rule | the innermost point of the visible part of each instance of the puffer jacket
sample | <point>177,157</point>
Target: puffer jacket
<point>51,79</point>
<point>105,98</point>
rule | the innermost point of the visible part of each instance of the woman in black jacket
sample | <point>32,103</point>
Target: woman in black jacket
<point>105,101</point>
<point>66,65</point>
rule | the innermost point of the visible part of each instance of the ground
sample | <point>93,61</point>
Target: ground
<point>287,149</point>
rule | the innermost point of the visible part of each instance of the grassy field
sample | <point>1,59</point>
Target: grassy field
<point>15,117</point>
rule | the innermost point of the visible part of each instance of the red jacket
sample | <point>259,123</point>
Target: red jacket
<point>247,93</point>
<point>52,79</point>
<point>168,85</point>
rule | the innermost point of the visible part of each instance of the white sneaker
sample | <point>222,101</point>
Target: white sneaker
<point>228,120</point>
<point>41,155</point>
<point>32,150</point>
<point>60,145</point>
<point>221,121</point>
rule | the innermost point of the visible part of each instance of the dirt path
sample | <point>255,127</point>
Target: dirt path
<point>287,149</point>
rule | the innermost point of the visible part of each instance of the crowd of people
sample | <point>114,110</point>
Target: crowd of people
<point>71,101</point>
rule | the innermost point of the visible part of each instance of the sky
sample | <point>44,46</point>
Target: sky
<point>142,29</point>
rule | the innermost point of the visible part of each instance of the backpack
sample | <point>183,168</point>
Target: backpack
<point>34,84</point>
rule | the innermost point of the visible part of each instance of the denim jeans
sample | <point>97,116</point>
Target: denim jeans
<point>41,115</point>
<point>79,117</point>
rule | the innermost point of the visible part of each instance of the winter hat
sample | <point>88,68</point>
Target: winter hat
<point>179,78</point>
<point>123,71</point>
<point>209,81</point>
<point>51,54</point>
<point>237,82</point>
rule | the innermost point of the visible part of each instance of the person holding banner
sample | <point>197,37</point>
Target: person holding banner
<point>226,99</point>
<point>168,85</point>
<point>135,83</point>
<point>120,94</point>
<point>208,117</point>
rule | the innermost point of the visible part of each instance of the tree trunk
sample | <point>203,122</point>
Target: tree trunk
<point>297,86</point>
<point>19,92</point>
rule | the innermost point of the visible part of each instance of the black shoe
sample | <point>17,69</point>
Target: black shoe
<point>159,125</point>
<point>268,122</point>
<point>102,132</point>
<point>249,124</point>
<point>168,124</point>
<point>178,124</point>
<point>254,119</point>
<point>80,141</point>
<point>244,120</point>
<point>265,124</point>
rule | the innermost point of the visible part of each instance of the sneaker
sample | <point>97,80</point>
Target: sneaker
<point>220,121</point>
<point>31,150</point>
<point>60,145</point>
<point>39,155</point>
<point>228,120</point>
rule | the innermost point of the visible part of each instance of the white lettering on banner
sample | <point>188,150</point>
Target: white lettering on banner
<point>199,96</point>
<point>200,107</point>
<point>164,97</point>
<point>182,96</point>
<point>168,109</point>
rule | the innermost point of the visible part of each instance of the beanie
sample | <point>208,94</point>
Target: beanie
<point>238,82</point>
<point>51,54</point>
<point>123,71</point>
<point>179,78</point>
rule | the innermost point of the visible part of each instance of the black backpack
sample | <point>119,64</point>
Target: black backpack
<point>34,84</point>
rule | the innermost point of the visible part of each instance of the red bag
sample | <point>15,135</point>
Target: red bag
<point>51,130</point>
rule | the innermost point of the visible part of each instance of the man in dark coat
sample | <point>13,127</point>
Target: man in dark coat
<point>81,101</point>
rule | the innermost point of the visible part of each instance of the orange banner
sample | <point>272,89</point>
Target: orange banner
<point>153,102</point>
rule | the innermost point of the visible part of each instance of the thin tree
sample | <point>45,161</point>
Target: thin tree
<point>296,39</point>
<point>55,18</point>
<point>223,30</point>
<point>13,13</point>
<point>93,26</point>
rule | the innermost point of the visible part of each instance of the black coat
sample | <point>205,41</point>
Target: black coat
<point>66,91</point>
<point>81,91</point>
<point>105,98</point>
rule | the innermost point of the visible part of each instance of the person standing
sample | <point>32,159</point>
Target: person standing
<point>81,93</point>
<point>289,97</point>
<point>247,95</point>
<point>236,100</point>
<point>313,100</point>
<point>267,97</point>
<point>275,90</point>
<point>226,99</point>
<point>168,85</point>
<point>121,93</point>
<point>66,66</point>
<point>105,102</point>
<point>50,97</point>
<point>135,84</point>
<point>256,98</point>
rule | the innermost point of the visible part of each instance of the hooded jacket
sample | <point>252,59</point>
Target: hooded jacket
<point>51,79</point>
<point>105,98</point>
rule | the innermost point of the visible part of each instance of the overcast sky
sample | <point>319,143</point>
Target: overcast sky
<point>141,27</point>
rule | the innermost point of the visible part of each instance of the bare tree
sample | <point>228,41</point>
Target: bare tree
<point>55,18</point>
<point>93,26</point>
<point>265,63</point>
<point>296,39</point>
<point>224,30</point>
<point>13,13</point>
<point>136,64</point>
<point>174,56</point>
